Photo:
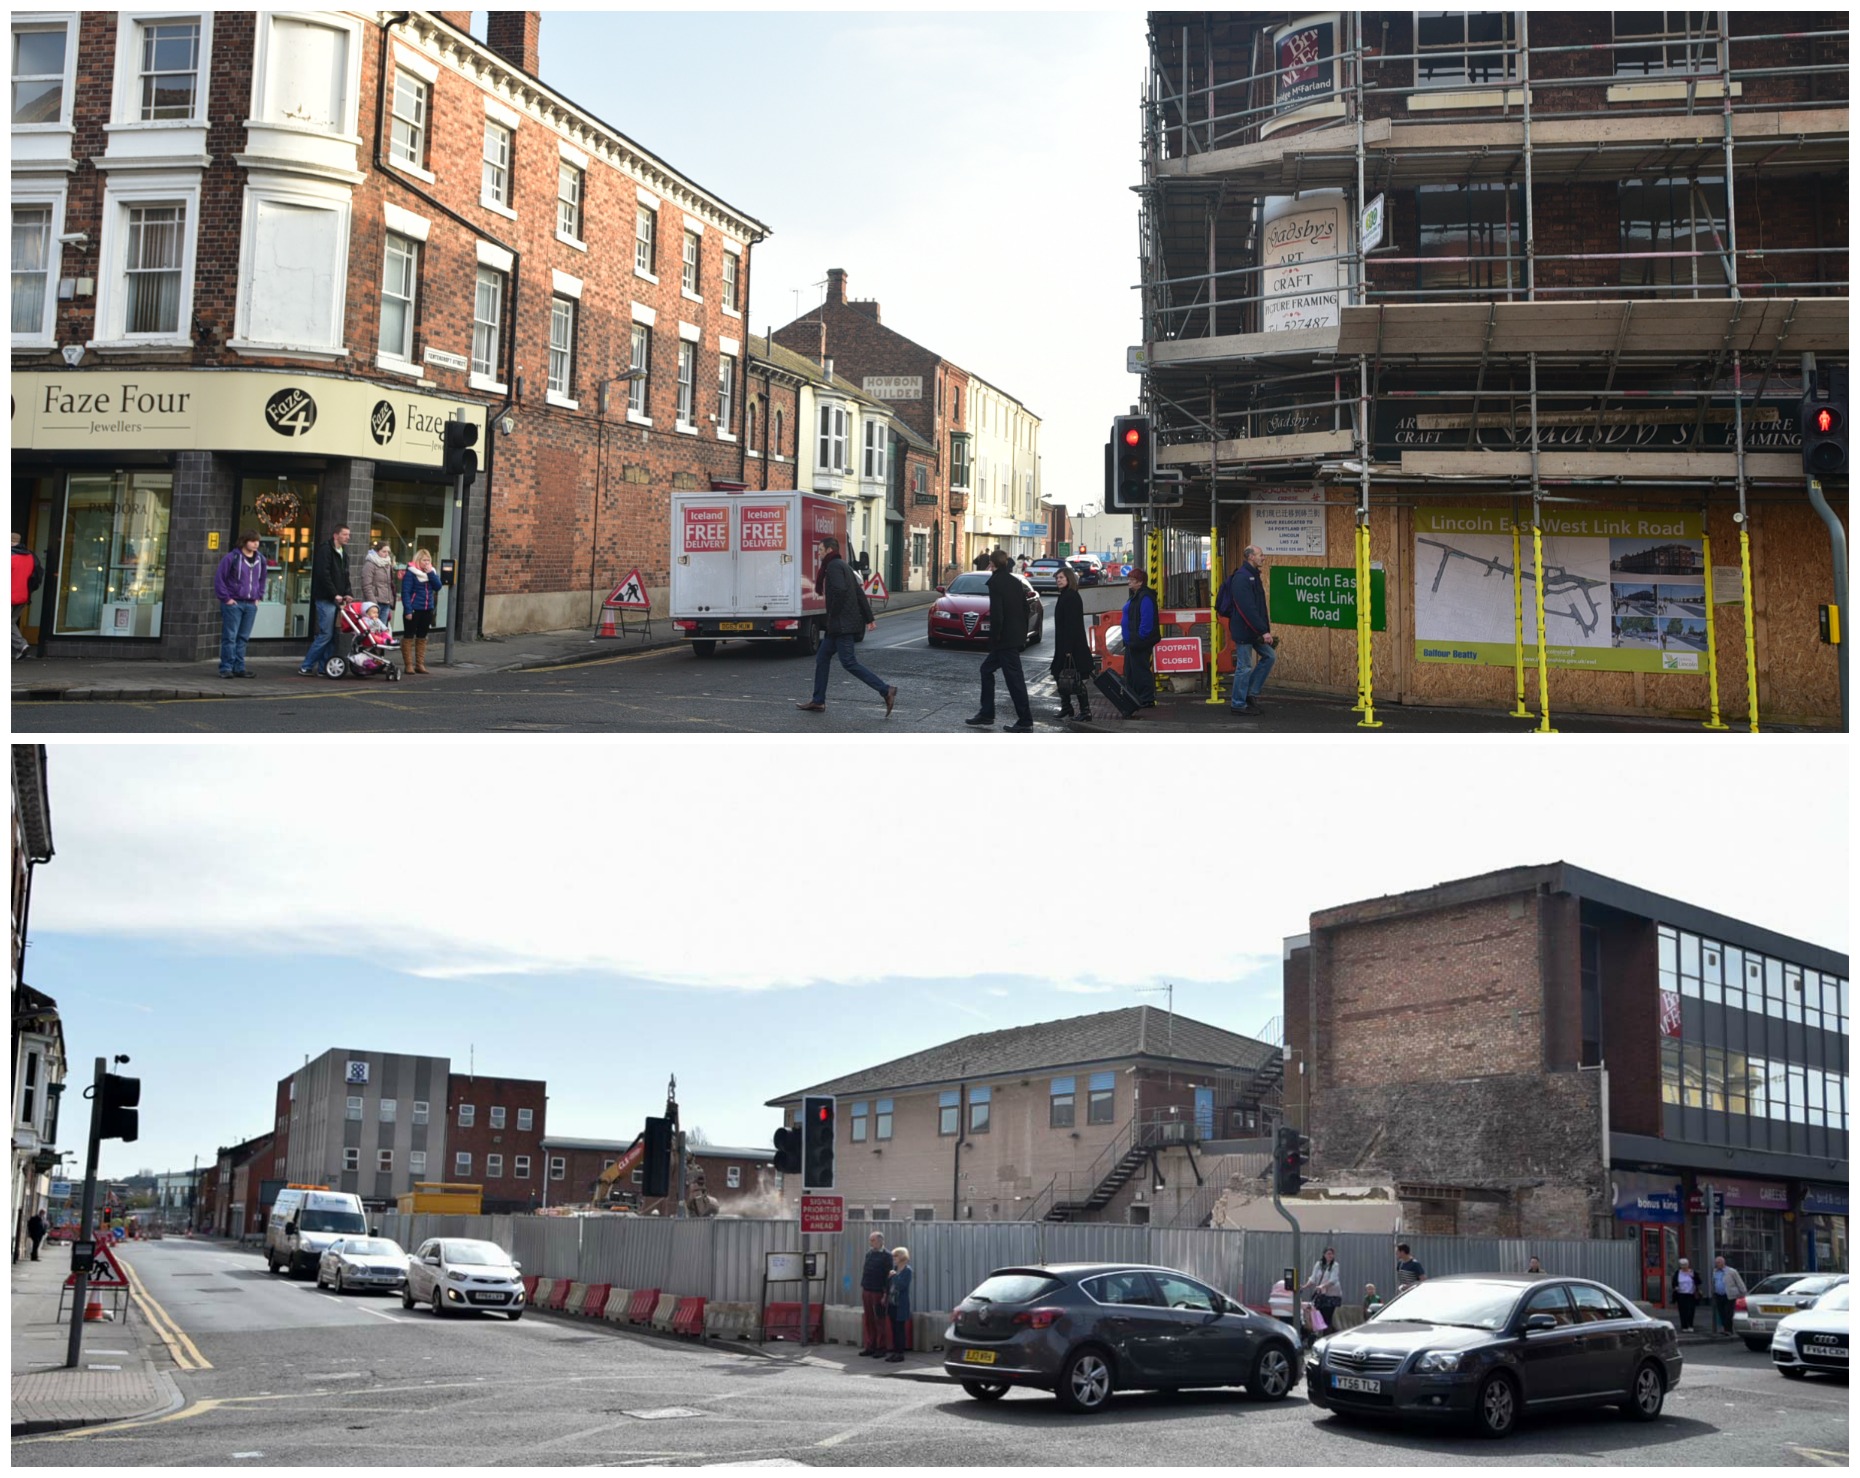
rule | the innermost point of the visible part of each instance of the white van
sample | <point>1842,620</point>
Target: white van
<point>304,1220</point>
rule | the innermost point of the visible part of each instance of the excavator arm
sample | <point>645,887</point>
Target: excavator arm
<point>609,1178</point>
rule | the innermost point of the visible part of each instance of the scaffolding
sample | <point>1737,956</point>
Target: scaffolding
<point>1499,349</point>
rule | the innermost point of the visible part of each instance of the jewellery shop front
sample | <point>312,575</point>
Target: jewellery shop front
<point>131,486</point>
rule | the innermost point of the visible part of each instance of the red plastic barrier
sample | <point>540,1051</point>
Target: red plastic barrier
<point>595,1304</point>
<point>639,1311</point>
<point>558,1295</point>
<point>783,1321</point>
<point>688,1317</point>
<point>529,1290</point>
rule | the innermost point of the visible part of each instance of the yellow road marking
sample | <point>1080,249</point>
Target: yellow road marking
<point>182,1349</point>
<point>199,1408</point>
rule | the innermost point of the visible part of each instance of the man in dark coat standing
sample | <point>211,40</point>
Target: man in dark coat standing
<point>1007,634</point>
<point>1255,646</point>
<point>35,1229</point>
<point>329,584</point>
<point>873,1279</point>
<point>849,614</point>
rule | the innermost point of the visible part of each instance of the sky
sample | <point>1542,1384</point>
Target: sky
<point>971,171</point>
<point>759,917</point>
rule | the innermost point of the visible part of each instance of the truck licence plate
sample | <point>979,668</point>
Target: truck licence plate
<point>1355,1383</point>
<point>736,625</point>
<point>979,1357</point>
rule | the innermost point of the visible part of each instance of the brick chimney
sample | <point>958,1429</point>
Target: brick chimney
<point>836,284</point>
<point>461,19</point>
<point>513,35</point>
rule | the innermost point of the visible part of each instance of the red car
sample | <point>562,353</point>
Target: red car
<point>960,613</point>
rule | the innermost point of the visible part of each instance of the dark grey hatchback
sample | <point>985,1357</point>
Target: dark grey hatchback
<point>1489,1347</point>
<point>1083,1330</point>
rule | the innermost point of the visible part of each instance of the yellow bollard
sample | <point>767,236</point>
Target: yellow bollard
<point>1711,634</point>
<point>1543,645</point>
<point>1522,710</point>
<point>1365,629</point>
<point>1750,632</point>
<point>1214,621</point>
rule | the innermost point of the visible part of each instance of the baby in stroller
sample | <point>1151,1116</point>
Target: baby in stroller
<point>364,643</point>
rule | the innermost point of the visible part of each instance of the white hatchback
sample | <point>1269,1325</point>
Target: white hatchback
<point>460,1275</point>
<point>1815,1338</point>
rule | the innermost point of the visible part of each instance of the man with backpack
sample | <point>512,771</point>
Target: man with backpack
<point>1243,602</point>
<point>26,578</point>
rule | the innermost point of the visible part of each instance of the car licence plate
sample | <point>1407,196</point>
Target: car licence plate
<point>978,1357</point>
<point>736,625</point>
<point>1355,1383</point>
<point>1833,1352</point>
<point>1778,1309</point>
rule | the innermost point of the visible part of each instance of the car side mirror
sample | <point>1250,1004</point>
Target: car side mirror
<point>290,1229</point>
<point>942,590</point>
<point>1536,1323</point>
<point>431,1259</point>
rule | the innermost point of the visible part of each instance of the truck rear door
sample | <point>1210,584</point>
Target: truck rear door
<point>766,568</point>
<point>703,573</point>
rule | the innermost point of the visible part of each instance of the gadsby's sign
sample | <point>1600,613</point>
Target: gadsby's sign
<point>229,411</point>
<point>1615,426</point>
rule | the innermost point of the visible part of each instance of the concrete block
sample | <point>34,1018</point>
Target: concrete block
<point>844,1325</point>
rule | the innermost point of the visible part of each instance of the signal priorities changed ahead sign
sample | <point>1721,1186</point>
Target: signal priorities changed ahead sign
<point>823,1213</point>
<point>1301,595</point>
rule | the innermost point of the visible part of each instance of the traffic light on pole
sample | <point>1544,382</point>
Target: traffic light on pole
<point>1288,1161</point>
<point>817,1143</point>
<point>1133,463</point>
<point>788,1151</point>
<point>461,459</point>
<point>1824,425</point>
<point>116,1108</point>
<point>658,1166</point>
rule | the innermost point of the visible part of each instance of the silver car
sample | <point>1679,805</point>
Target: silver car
<point>460,1275</point>
<point>365,1263</point>
<point>1760,1310</point>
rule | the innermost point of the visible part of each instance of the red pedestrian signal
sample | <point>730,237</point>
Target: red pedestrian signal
<point>1826,421</point>
<point>1824,424</point>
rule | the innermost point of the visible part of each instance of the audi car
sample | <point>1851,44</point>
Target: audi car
<point>1754,1316</point>
<point>363,1263</point>
<point>1815,1338</point>
<point>1490,1348</point>
<point>1085,1330</point>
<point>458,1275</point>
<point>960,613</point>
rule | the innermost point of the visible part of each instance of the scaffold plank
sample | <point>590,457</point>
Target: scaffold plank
<point>1298,343</point>
<point>1765,465</point>
<point>1258,449</point>
<point>1661,326</point>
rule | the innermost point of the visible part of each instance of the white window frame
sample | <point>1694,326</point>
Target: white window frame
<point>352,1108</point>
<point>691,264</point>
<point>384,1160</point>
<point>493,1167</point>
<point>482,379</point>
<point>395,157</point>
<point>126,96</point>
<point>558,1167</point>
<point>51,21</point>
<point>830,444</point>
<point>461,1162</point>
<point>468,1115</point>
<point>352,1157</point>
<point>566,167</point>
<point>303,194</point>
<point>52,200</point>
<point>387,1111</point>
<point>182,188</point>
<point>499,1116</point>
<point>526,1119</point>
<point>731,289</point>
<point>1463,81</point>
<point>873,467</point>
<point>403,357</point>
<point>646,239</point>
<point>520,1167</point>
<point>416,1162</point>
<point>422,1110</point>
<point>564,309</point>
<point>497,182</point>
<point>726,393</point>
<point>638,398</point>
<point>347,124</point>
<point>733,1177</point>
<point>687,385</point>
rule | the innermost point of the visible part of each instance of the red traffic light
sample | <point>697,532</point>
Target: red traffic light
<point>1132,436</point>
<point>1826,420</point>
<point>825,1113</point>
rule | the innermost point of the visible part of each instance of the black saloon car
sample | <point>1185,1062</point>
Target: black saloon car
<point>1490,1347</point>
<point>1083,1330</point>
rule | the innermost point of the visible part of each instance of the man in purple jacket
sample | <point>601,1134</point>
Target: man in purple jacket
<point>239,585</point>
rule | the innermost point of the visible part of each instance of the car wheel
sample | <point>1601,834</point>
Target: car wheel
<point>340,1290</point>
<point>1648,1395</point>
<point>1756,1344</point>
<point>807,638</point>
<point>703,649</point>
<point>406,1297</point>
<point>516,1316</point>
<point>439,1306</point>
<point>935,641</point>
<point>1271,1379</point>
<point>1085,1383</point>
<point>1793,1372</point>
<point>1496,1409</point>
<point>271,1264</point>
<point>986,1390</point>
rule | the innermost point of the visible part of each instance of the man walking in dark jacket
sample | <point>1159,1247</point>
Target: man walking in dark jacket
<point>1243,603</point>
<point>849,614</point>
<point>1007,634</point>
<point>873,1279</point>
<point>329,584</point>
<point>239,585</point>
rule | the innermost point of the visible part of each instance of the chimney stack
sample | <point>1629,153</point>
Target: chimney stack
<point>836,284</point>
<point>514,35</point>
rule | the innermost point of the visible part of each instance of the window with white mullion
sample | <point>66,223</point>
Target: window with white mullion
<point>399,276</point>
<point>732,266</point>
<point>487,321</point>
<point>726,391</point>
<point>694,249</point>
<point>562,345</point>
<point>645,239</point>
<point>408,142</point>
<point>687,383</point>
<point>152,269</point>
<point>168,69</point>
<point>39,55</point>
<point>32,265</point>
<point>1465,48</point>
<point>568,183</point>
<point>641,363</point>
<point>1652,42</point>
<point>497,164</point>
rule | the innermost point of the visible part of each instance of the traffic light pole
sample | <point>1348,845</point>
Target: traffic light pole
<point>81,1277</point>
<point>1298,1258</point>
<point>458,559</point>
<point>1837,538</point>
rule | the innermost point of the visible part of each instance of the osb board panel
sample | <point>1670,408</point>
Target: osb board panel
<point>1793,575</point>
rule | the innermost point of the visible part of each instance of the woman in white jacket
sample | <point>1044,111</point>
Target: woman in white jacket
<point>1325,1285</point>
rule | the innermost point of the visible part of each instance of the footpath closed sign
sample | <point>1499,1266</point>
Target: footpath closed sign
<point>1301,595</point>
<point>1178,654</point>
<point>823,1213</point>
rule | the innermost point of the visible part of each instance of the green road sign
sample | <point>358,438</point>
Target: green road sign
<point>1300,595</point>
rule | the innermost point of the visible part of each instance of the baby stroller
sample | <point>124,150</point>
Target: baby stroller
<point>355,650</point>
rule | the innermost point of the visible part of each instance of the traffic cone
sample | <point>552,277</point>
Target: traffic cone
<point>93,1310</point>
<point>607,623</point>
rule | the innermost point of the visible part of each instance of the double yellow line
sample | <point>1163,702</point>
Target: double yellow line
<point>185,1354</point>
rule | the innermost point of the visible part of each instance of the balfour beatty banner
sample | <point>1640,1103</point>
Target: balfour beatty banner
<point>229,411</point>
<point>1300,595</point>
<point>1624,591</point>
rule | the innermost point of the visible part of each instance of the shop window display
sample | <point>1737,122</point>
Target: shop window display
<point>411,516</point>
<point>115,554</point>
<point>283,510</point>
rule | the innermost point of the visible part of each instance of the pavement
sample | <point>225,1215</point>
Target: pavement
<point>122,1369</point>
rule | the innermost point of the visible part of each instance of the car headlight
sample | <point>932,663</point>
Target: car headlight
<point>456,1276</point>
<point>1439,1360</point>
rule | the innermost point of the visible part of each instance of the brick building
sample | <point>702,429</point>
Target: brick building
<point>494,1138</point>
<point>1121,1115</point>
<point>1462,277</point>
<point>38,1029</point>
<point>1544,1051</point>
<point>933,397</point>
<point>259,258</point>
<point>235,1204</point>
<point>743,1182</point>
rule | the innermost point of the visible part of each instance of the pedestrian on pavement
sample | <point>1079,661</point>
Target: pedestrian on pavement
<point>1325,1285</point>
<point>1535,1267</point>
<point>419,600</point>
<point>1408,1272</point>
<point>329,585</point>
<point>1072,656</point>
<point>35,1229</point>
<point>862,565</point>
<point>1007,634</point>
<point>873,1280</point>
<point>898,1302</point>
<point>1243,602</point>
<point>1371,1300</point>
<point>239,585</point>
<point>1727,1287</point>
<point>982,561</point>
<point>378,582</point>
<point>849,617</point>
<point>26,578</point>
<point>1142,630</point>
<point>1686,1293</point>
